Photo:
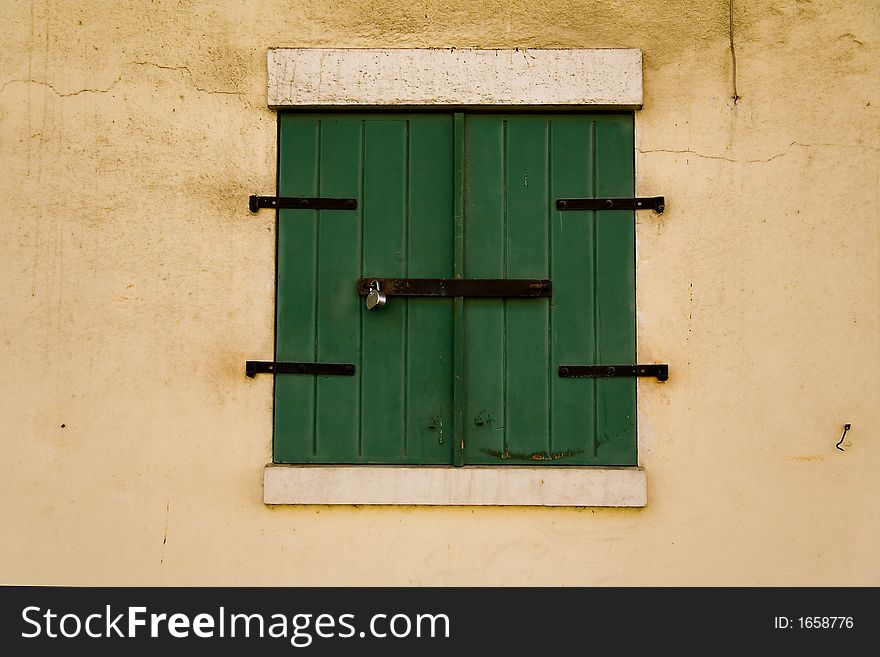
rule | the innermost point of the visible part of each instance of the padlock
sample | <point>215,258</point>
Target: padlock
<point>376,297</point>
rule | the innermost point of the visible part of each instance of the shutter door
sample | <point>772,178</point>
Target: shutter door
<point>517,409</point>
<point>397,408</point>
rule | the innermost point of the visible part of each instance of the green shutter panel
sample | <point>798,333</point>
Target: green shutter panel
<point>491,363</point>
<point>517,409</point>
<point>398,406</point>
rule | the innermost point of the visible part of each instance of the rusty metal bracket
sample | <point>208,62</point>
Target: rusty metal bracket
<point>655,203</point>
<point>254,367</point>
<point>660,370</point>
<point>300,203</point>
<point>458,287</point>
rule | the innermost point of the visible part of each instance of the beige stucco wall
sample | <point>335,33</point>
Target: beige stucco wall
<point>135,283</point>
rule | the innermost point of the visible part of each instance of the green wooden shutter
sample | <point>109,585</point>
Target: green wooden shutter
<point>518,410</point>
<point>399,407</point>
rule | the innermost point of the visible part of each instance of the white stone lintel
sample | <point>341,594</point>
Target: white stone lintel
<point>432,77</point>
<point>455,486</point>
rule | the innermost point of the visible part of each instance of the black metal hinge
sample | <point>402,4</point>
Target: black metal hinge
<point>661,371</point>
<point>656,203</point>
<point>458,287</point>
<point>254,367</point>
<point>301,203</point>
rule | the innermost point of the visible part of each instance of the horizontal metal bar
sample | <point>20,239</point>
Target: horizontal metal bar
<point>254,367</point>
<point>458,287</point>
<point>656,203</point>
<point>301,203</point>
<point>661,371</point>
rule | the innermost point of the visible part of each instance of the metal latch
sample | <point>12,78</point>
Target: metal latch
<point>254,367</point>
<point>660,370</point>
<point>656,203</point>
<point>301,203</point>
<point>455,287</point>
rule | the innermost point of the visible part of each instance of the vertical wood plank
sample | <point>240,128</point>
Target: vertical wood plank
<point>339,257</point>
<point>484,257</point>
<point>385,227</point>
<point>460,389</point>
<point>296,289</point>
<point>573,333</point>
<point>615,292</point>
<point>527,417</point>
<point>429,332</point>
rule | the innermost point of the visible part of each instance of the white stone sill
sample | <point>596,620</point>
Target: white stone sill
<point>456,486</point>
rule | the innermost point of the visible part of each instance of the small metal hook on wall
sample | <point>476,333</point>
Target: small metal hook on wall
<point>846,427</point>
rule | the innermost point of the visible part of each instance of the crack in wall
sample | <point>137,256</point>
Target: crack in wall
<point>185,69</point>
<point>61,94</point>
<point>788,149</point>
<point>736,95</point>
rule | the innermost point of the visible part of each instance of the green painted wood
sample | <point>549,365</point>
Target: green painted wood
<point>458,303</point>
<point>485,366</point>
<point>399,406</point>
<point>526,424</point>
<point>430,407</point>
<point>338,400</point>
<point>615,292</point>
<point>383,332</point>
<point>296,302</point>
<point>456,381</point>
<point>517,409</point>
<point>573,299</point>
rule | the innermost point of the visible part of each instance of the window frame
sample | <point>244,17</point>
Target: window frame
<point>498,80</point>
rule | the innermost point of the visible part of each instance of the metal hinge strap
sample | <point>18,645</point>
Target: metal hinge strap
<point>660,370</point>
<point>656,203</point>
<point>254,367</point>
<point>301,203</point>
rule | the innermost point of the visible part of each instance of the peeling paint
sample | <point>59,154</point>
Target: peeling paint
<point>536,456</point>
